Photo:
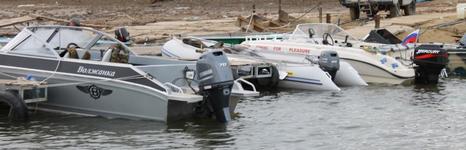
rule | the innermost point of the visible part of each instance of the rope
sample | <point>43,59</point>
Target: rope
<point>250,21</point>
<point>54,72</point>
<point>295,20</point>
<point>307,12</point>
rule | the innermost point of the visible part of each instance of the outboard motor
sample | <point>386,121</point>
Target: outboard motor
<point>215,82</point>
<point>122,34</point>
<point>329,62</point>
<point>430,60</point>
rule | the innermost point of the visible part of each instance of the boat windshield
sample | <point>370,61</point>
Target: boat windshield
<point>44,41</point>
<point>317,30</point>
<point>27,44</point>
<point>62,37</point>
<point>52,41</point>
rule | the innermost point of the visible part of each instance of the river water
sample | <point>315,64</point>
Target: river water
<point>373,117</point>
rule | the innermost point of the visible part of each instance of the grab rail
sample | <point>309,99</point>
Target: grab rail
<point>262,37</point>
<point>174,88</point>
<point>240,87</point>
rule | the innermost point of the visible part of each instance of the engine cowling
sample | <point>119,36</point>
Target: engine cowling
<point>215,82</point>
<point>430,60</point>
<point>122,34</point>
<point>329,61</point>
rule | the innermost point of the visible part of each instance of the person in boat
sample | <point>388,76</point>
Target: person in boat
<point>74,22</point>
<point>71,50</point>
<point>119,54</point>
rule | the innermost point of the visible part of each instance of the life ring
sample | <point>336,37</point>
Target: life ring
<point>19,110</point>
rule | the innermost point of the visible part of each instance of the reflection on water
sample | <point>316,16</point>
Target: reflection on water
<point>374,117</point>
<point>428,95</point>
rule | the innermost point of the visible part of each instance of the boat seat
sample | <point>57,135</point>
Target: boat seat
<point>116,55</point>
<point>107,55</point>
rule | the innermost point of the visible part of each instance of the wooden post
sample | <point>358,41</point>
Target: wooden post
<point>329,18</point>
<point>377,21</point>
<point>320,15</point>
<point>279,5</point>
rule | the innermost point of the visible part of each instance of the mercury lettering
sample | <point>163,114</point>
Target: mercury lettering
<point>428,51</point>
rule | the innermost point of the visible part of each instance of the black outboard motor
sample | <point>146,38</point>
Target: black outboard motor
<point>215,83</point>
<point>430,60</point>
<point>122,34</point>
<point>329,62</point>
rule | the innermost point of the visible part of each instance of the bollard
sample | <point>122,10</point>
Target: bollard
<point>329,18</point>
<point>320,15</point>
<point>279,5</point>
<point>377,21</point>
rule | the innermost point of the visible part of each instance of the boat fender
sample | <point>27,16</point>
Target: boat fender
<point>18,109</point>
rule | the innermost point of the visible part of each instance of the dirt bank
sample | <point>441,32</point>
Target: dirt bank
<point>140,12</point>
<point>156,21</point>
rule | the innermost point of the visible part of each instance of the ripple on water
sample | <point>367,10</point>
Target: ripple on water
<point>373,117</point>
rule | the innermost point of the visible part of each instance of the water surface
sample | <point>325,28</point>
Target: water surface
<point>373,117</point>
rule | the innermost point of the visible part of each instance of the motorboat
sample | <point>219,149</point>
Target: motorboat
<point>110,80</point>
<point>236,37</point>
<point>342,73</point>
<point>285,75</point>
<point>391,45</point>
<point>192,49</point>
<point>374,65</point>
<point>430,60</point>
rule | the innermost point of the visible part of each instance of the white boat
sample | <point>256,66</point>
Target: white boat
<point>374,66</point>
<point>290,75</point>
<point>112,81</point>
<point>346,75</point>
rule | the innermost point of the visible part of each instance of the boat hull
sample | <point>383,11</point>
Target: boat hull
<point>306,77</point>
<point>121,99</point>
<point>373,74</point>
<point>348,76</point>
<point>372,67</point>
